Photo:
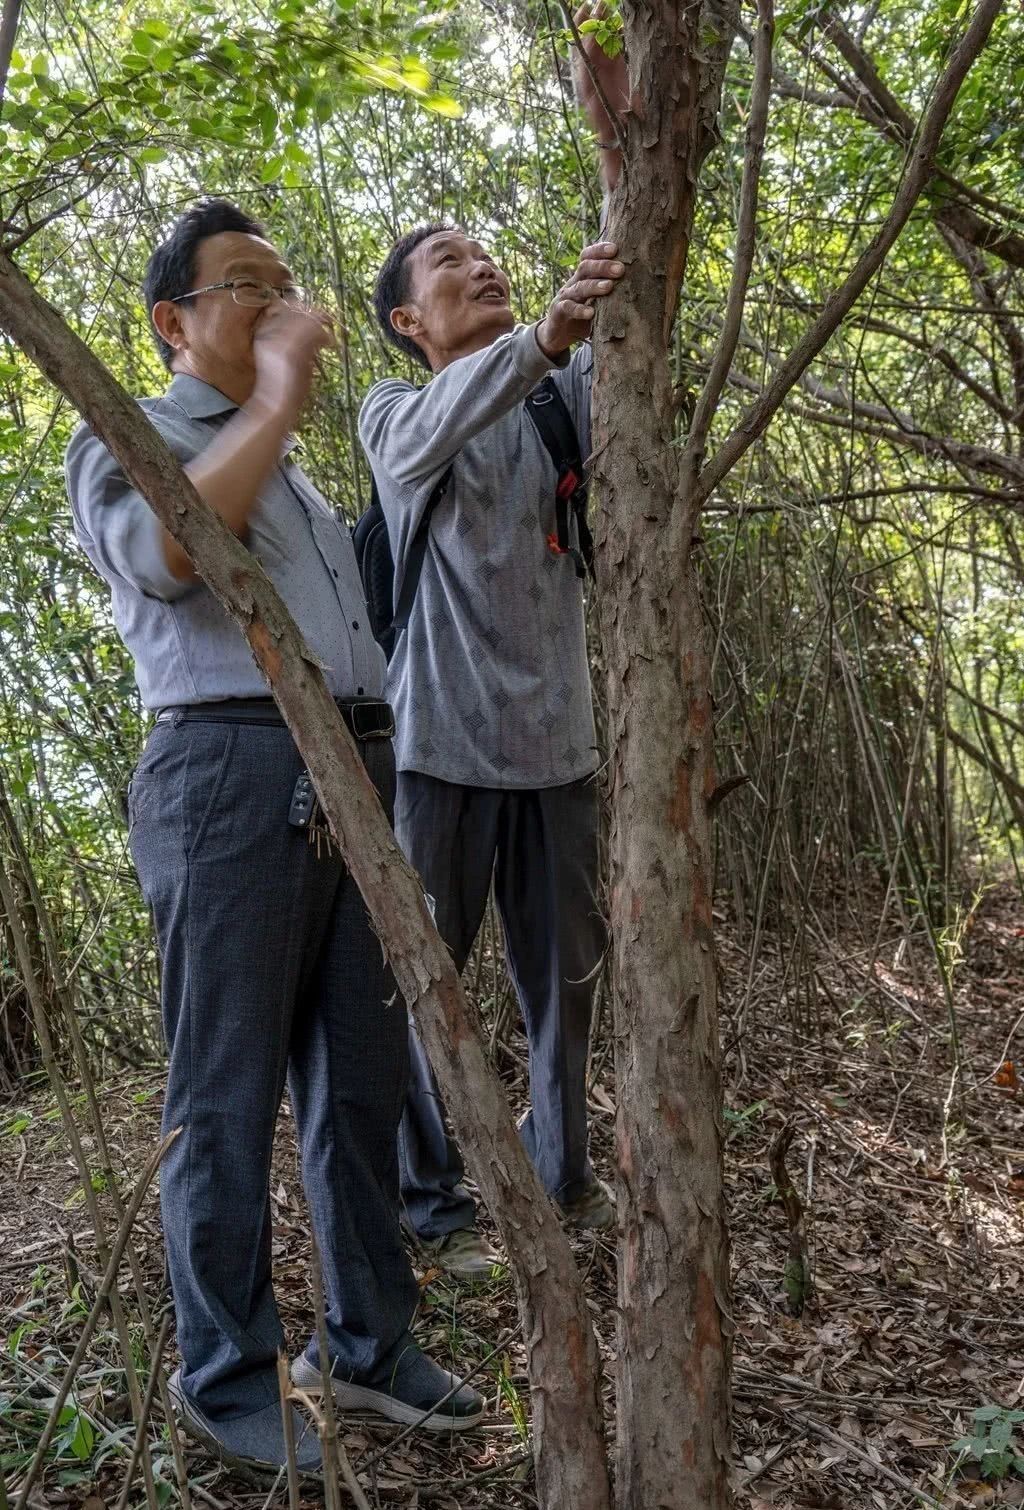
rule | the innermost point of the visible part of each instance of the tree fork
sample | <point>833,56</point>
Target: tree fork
<point>569,1448</point>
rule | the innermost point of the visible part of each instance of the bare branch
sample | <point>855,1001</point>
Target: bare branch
<point>842,300</point>
<point>898,124</point>
<point>746,234</point>
<point>868,75</point>
<point>8,32</point>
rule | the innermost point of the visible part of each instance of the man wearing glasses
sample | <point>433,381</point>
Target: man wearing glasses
<point>270,966</point>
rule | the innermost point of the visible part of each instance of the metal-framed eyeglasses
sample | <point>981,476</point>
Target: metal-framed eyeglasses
<point>255,293</point>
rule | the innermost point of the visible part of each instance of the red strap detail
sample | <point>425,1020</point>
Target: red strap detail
<point>554,545</point>
<point>567,483</point>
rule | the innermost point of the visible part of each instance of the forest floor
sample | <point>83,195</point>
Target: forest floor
<point>914,1201</point>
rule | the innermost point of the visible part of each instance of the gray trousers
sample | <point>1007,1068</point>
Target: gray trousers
<point>270,970</point>
<point>542,847</point>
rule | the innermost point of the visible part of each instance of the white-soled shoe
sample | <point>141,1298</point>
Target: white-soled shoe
<point>405,1393</point>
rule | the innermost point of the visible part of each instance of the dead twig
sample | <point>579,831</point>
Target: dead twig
<point>147,1407</point>
<point>284,1385</point>
<point>382,1452</point>
<point>120,1241</point>
<point>334,1453</point>
<point>828,1435</point>
<point>797,1273</point>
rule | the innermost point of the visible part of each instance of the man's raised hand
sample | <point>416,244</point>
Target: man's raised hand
<point>571,315</point>
<point>286,345</point>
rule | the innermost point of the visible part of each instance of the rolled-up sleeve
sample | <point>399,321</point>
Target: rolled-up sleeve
<point>116,527</point>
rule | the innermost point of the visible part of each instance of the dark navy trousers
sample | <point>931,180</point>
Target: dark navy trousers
<point>542,848</point>
<point>271,971</point>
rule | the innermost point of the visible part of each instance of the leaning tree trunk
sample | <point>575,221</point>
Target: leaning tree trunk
<point>569,1447</point>
<point>673,1389</point>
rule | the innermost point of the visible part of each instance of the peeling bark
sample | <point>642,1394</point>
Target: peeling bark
<point>674,1319</point>
<point>673,1392</point>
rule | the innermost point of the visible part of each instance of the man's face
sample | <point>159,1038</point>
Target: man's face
<point>212,335</point>
<point>458,297</point>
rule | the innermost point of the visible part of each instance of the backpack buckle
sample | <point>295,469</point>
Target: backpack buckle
<point>568,484</point>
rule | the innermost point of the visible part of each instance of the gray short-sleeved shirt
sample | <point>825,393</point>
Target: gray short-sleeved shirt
<point>490,680</point>
<point>186,647</point>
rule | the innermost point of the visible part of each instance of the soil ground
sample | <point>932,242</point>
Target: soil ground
<point>912,1184</point>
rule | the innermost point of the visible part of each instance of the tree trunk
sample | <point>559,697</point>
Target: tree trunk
<point>673,1427</point>
<point>561,1348</point>
<point>673,1389</point>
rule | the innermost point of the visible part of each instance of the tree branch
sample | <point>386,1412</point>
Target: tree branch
<point>1007,245</point>
<point>842,300</point>
<point>8,31</point>
<point>743,260</point>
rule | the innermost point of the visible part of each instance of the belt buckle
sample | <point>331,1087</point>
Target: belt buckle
<point>373,729</point>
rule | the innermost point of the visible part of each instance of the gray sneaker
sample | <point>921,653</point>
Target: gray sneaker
<point>405,1391</point>
<point>594,1210</point>
<point>254,1443</point>
<point>464,1253</point>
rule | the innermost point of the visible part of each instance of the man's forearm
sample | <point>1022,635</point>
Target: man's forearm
<point>229,474</point>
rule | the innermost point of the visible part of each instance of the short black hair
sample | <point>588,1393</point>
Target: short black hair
<point>171,270</point>
<point>392,287</point>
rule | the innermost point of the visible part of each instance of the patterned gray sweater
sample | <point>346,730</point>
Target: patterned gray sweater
<point>490,681</point>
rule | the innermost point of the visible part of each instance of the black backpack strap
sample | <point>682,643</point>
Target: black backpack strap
<point>414,562</point>
<point>554,424</point>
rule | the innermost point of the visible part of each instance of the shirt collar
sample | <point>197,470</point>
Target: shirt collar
<point>201,400</point>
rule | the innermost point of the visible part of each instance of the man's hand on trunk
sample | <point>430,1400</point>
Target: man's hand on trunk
<point>571,316</point>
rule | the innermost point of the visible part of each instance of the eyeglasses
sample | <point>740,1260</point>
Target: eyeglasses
<point>255,293</point>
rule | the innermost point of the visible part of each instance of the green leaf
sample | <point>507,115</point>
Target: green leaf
<point>81,1442</point>
<point>143,42</point>
<point>1000,1434</point>
<point>266,119</point>
<point>415,74</point>
<point>163,60</point>
<point>152,155</point>
<point>40,65</point>
<point>157,28</point>
<point>443,104</point>
<point>988,1412</point>
<point>272,169</point>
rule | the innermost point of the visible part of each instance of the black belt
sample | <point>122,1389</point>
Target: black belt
<point>365,717</point>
